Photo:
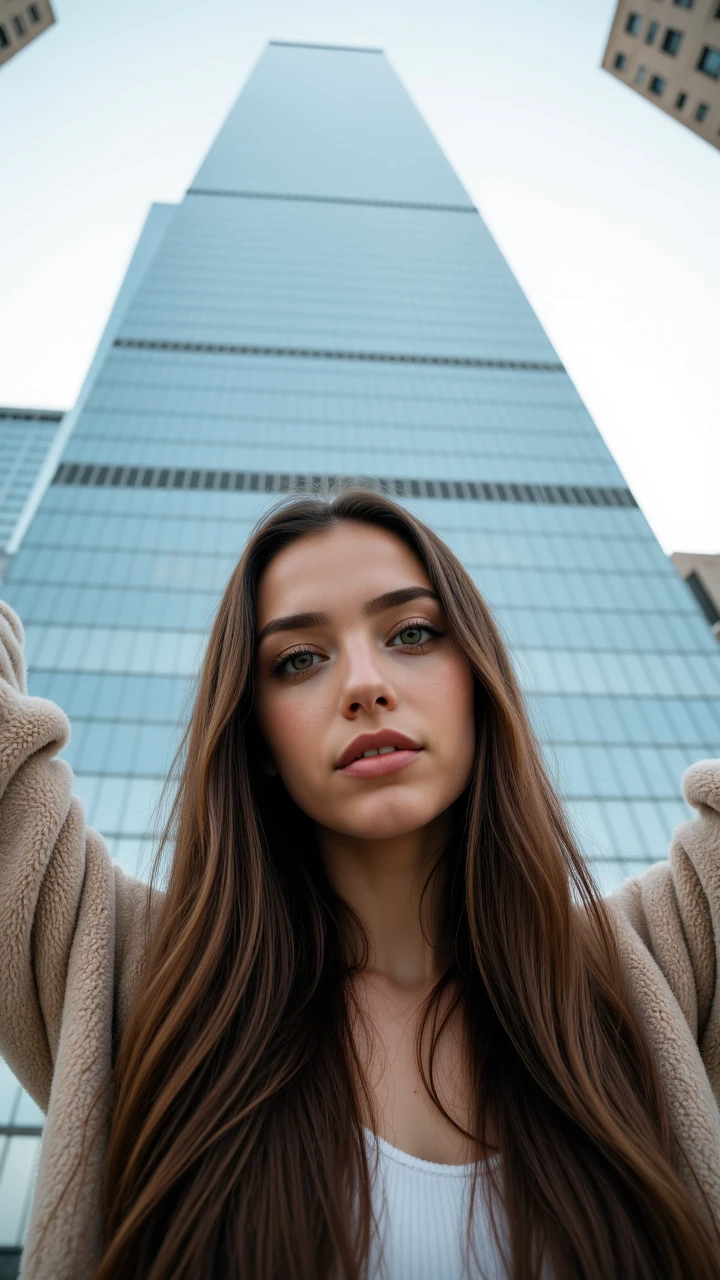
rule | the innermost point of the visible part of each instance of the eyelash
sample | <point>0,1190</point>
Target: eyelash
<point>418,624</point>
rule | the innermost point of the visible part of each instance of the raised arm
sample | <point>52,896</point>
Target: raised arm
<point>675,911</point>
<point>67,915</point>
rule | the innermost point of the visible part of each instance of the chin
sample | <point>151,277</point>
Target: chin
<point>382,821</point>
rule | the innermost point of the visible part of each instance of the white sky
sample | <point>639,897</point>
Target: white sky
<point>606,209</point>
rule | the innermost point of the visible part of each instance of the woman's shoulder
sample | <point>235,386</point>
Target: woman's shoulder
<point>668,930</point>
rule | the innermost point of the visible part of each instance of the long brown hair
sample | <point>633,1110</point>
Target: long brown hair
<point>236,1147</point>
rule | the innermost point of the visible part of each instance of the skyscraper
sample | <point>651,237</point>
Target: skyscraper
<point>327,301</point>
<point>672,58</point>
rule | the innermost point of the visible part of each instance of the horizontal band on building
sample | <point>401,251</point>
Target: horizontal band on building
<point>327,48</point>
<point>30,415</point>
<point>313,353</point>
<point>425,206</point>
<point>99,475</point>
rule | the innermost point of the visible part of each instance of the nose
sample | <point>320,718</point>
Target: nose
<point>366,684</point>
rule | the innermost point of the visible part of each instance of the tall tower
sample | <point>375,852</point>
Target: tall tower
<point>327,300</point>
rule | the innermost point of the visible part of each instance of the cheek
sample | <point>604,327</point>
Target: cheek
<point>291,727</point>
<point>454,715</point>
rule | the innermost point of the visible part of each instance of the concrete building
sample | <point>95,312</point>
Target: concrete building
<point>702,574</point>
<point>25,437</point>
<point>22,22</point>
<point>327,301</point>
<point>669,52</point>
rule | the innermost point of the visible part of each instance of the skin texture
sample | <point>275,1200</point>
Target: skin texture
<point>380,836</point>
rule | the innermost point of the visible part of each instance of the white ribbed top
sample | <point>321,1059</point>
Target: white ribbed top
<point>422,1212</point>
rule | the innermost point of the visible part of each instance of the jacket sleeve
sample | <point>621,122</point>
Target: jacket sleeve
<point>675,909</point>
<point>66,912</point>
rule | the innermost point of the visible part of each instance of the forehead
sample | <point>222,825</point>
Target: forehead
<point>333,571</point>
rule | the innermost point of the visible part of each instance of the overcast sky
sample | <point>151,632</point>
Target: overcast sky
<point>606,209</point>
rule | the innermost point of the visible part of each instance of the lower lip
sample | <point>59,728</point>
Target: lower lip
<point>378,766</point>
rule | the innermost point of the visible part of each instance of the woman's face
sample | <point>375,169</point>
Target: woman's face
<point>352,657</point>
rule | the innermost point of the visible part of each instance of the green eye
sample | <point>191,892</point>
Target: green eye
<point>301,661</point>
<point>417,634</point>
<point>297,663</point>
<point>412,635</point>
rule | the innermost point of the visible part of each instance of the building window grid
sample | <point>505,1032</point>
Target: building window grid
<point>681,101</point>
<point>702,112</point>
<point>34,13</point>
<point>633,25</point>
<point>620,61</point>
<point>657,86</point>
<point>19,25</point>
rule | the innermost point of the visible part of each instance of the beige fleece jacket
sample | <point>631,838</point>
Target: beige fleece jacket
<point>72,929</point>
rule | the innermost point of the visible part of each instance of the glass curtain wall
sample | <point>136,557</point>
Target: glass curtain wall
<point>25,437</point>
<point>327,301</point>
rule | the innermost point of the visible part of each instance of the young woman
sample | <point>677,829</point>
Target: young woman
<point>379,1022</point>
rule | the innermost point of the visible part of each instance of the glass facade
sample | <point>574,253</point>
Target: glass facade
<point>327,301</point>
<point>25,437</point>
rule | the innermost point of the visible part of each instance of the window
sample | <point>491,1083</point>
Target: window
<point>620,62</point>
<point>657,85</point>
<point>710,62</point>
<point>672,41</point>
<point>652,32</point>
<point>702,111</point>
<point>33,13</point>
<point>680,101</point>
<point>640,75</point>
<point>4,41</point>
<point>684,4</point>
<point>19,26</point>
<point>633,24</point>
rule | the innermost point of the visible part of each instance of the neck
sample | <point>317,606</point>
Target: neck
<point>383,882</point>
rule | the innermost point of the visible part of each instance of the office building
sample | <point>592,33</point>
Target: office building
<point>669,52</point>
<point>20,23</point>
<point>327,301</point>
<point>25,437</point>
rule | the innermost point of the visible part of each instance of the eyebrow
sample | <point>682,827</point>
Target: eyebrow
<point>304,621</point>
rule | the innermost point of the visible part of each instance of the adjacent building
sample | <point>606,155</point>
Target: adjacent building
<point>25,438</point>
<point>20,23</point>
<point>327,301</point>
<point>702,574</point>
<point>669,52</point>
